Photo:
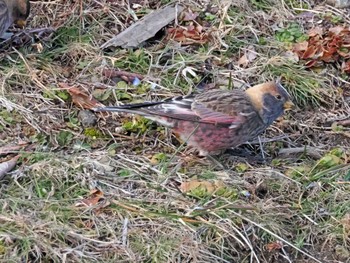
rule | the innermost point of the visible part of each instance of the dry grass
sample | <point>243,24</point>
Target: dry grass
<point>290,208</point>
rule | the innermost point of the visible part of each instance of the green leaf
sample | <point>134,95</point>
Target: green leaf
<point>63,95</point>
<point>64,137</point>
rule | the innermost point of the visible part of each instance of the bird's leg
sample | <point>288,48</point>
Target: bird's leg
<point>262,149</point>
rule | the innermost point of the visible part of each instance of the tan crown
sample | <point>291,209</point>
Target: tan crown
<point>257,92</point>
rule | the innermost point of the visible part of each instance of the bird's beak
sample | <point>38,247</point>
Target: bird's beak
<point>288,105</point>
<point>20,23</point>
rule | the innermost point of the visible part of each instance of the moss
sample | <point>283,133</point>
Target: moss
<point>93,133</point>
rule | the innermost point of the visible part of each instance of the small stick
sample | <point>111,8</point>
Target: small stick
<point>311,151</point>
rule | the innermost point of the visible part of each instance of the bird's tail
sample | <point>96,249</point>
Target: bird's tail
<point>135,108</point>
<point>141,109</point>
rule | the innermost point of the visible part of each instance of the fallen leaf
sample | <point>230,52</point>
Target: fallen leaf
<point>317,41</point>
<point>188,35</point>
<point>210,187</point>
<point>80,98</point>
<point>249,56</point>
<point>310,52</point>
<point>301,46</point>
<point>346,66</point>
<point>7,166</point>
<point>315,31</point>
<point>274,246</point>
<point>199,28</point>
<point>333,42</point>
<point>330,46</point>
<point>189,15</point>
<point>127,76</point>
<point>345,53</point>
<point>11,148</point>
<point>311,63</point>
<point>95,196</point>
<point>336,30</point>
<point>328,55</point>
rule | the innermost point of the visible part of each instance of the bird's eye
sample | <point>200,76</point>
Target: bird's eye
<point>278,97</point>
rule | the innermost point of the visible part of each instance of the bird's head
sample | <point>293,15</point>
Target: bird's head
<point>20,11</point>
<point>270,99</point>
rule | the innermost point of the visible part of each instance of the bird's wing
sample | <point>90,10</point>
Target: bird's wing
<point>215,107</point>
<point>223,107</point>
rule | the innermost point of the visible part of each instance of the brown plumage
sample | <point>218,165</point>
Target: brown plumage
<point>216,120</point>
<point>13,11</point>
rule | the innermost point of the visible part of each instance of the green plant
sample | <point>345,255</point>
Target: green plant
<point>291,34</point>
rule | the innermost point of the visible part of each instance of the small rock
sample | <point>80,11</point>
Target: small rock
<point>87,118</point>
<point>342,253</point>
<point>339,3</point>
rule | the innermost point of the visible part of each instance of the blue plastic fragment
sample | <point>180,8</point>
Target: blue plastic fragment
<point>136,81</point>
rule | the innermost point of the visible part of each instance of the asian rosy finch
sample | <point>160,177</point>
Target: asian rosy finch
<point>216,120</point>
<point>13,11</point>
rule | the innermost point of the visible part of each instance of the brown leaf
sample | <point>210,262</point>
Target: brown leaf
<point>274,246</point>
<point>330,46</point>
<point>301,46</point>
<point>309,52</point>
<point>315,31</point>
<point>189,15</point>
<point>11,148</point>
<point>210,187</point>
<point>249,56</point>
<point>346,66</point>
<point>334,42</point>
<point>127,76</point>
<point>80,98</point>
<point>188,35</point>
<point>311,63</point>
<point>337,29</point>
<point>327,56</point>
<point>199,28</point>
<point>7,166</point>
<point>345,53</point>
<point>95,196</point>
<point>316,43</point>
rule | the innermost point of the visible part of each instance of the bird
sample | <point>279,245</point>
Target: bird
<point>216,119</point>
<point>13,11</point>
